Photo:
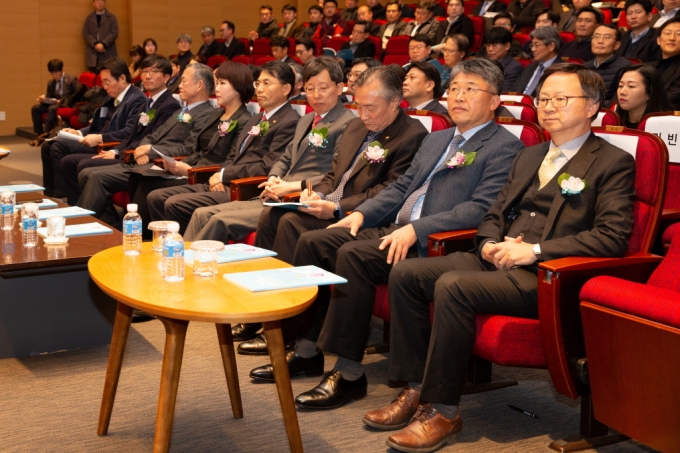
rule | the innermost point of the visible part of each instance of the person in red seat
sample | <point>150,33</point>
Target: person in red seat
<point>60,85</point>
<point>640,92</point>
<point>421,88</point>
<point>267,27</point>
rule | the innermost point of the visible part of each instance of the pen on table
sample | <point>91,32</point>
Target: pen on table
<point>522,411</point>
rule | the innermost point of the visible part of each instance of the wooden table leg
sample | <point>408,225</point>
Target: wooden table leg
<point>277,354</point>
<point>229,362</point>
<point>121,328</point>
<point>175,334</point>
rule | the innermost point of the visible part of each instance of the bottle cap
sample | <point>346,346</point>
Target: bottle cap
<point>132,207</point>
<point>30,207</point>
<point>173,227</point>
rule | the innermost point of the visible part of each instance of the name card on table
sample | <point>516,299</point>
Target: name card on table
<point>71,211</point>
<point>234,252</point>
<point>83,229</point>
<point>292,277</point>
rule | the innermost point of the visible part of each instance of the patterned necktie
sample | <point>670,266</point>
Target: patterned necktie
<point>404,216</point>
<point>250,138</point>
<point>336,195</point>
<point>116,102</point>
<point>485,6</point>
<point>548,170</point>
<point>148,104</point>
<point>316,120</point>
<point>534,81</point>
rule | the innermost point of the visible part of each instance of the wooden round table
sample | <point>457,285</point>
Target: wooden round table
<point>136,282</point>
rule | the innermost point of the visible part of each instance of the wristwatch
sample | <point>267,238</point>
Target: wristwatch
<point>537,252</point>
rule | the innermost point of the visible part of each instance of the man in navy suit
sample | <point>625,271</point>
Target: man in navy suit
<point>454,178</point>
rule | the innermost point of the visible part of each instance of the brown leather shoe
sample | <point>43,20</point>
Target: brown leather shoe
<point>395,415</point>
<point>428,431</point>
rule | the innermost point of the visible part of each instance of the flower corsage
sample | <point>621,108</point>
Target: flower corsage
<point>184,118</point>
<point>225,127</point>
<point>317,137</point>
<point>261,129</point>
<point>571,185</point>
<point>374,153</point>
<point>146,117</point>
<point>461,159</point>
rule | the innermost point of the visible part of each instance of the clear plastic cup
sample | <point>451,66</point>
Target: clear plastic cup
<point>160,229</point>
<point>56,228</point>
<point>205,257</point>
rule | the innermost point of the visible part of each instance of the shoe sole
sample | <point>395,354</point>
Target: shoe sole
<point>385,427</point>
<point>356,397</point>
<point>301,374</point>
<point>266,352</point>
<point>436,447</point>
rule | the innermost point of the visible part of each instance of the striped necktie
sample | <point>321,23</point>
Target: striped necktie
<point>336,195</point>
<point>250,138</point>
<point>548,170</point>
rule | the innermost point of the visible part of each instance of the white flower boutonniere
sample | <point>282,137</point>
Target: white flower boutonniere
<point>260,129</point>
<point>374,153</point>
<point>146,117</point>
<point>225,127</point>
<point>461,159</point>
<point>571,185</point>
<point>317,137</point>
<point>184,118</point>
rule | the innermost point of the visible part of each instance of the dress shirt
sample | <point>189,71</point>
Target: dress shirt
<point>634,39</point>
<point>569,150</point>
<point>665,17</point>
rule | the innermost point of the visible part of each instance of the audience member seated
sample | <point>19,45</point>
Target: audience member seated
<point>259,145</point>
<point>568,18</point>
<point>158,108</point>
<point>359,45</point>
<point>640,92</point>
<point>59,86</point>
<point>365,14</point>
<point>210,46</point>
<point>267,27</point>
<point>531,221</point>
<point>231,47</point>
<point>331,24</point>
<point>304,49</point>
<point>112,121</point>
<point>419,49</point>
<point>175,79</point>
<point>606,41</point>
<point>137,54</point>
<point>376,9</point>
<point>425,24</point>
<point>315,18</point>
<point>525,12</point>
<point>545,45</point>
<point>587,21</point>
<point>497,44</point>
<point>455,49</point>
<point>493,6</point>
<point>406,11</point>
<point>394,226</point>
<point>669,65</point>
<point>279,48</point>
<point>670,10</point>
<point>176,137</point>
<point>184,54</point>
<point>547,18</point>
<point>349,12</point>
<point>150,46</point>
<point>359,65</point>
<point>394,26</point>
<point>296,93</point>
<point>640,41</point>
<point>421,88</point>
<point>456,23</point>
<point>291,28</point>
<point>504,21</point>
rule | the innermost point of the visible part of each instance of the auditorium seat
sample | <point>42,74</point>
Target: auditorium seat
<point>432,121</point>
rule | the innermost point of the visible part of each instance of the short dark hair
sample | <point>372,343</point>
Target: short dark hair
<point>393,2</point>
<point>330,1</point>
<point>368,61</point>
<point>362,22</point>
<point>174,61</point>
<point>461,2</point>
<point>55,65</point>
<point>430,72</point>
<point>421,38</point>
<point>289,7</point>
<point>239,77</point>
<point>398,70</point>
<point>675,20</point>
<point>318,65</point>
<point>617,32</point>
<point>498,35</point>
<point>461,41</point>
<point>117,67</point>
<point>149,40</point>
<point>308,43</point>
<point>646,5</point>
<point>426,4</point>
<point>503,16</point>
<point>269,7</point>
<point>282,71</point>
<point>552,16</point>
<point>391,83</point>
<point>230,25</point>
<point>158,62</point>
<point>591,82</point>
<point>599,18</point>
<point>315,7</point>
<point>490,71</point>
<point>279,41</point>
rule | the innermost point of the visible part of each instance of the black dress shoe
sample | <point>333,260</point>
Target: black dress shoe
<point>140,316</point>
<point>297,366</point>
<point>258,345</point>
<point>333,391</point>
<point>243,332</point>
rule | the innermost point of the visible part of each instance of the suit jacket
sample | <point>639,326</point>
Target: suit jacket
<point>512,69</point>
<point>435,106</point>
<point>657,16</point>
<point>267,30</point>
<point>175,138</point>
<point>610,71</point>
<point>174,84</point>
<point>295,30</point>
<point>525,77</point>
<point>164,106</point>
<point>301,160</point>
<point>208,50</point>
<point>457,198</point>
<point>263,151</point>
<point>567,21</point>
<point>671,80</point>
<point>463,26</point>
<point>350,13</point>
<point>365,49</point>
<point>646,50</point>
<point>402,138</point>
<point>430,28</point>
<point>379,12</point>
<point>235,48</point>
<point>70,87</point>
<point>525,14</point>
<point>123,119</point>
<point>400,28</point>
<point>596,222</point>
<point>578,49</point>
<point>106,33</point>
<point>495,7</point>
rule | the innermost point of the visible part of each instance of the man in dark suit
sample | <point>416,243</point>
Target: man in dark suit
<point>175,137</point>
<point>497,43</point>
<point>606,63</point>
<point>425,24</point>
<point>359,45</point>
<point>669,65</point>
<point>525,12</point>
<point>210,46</point>
<point>259,145</point>
<point>395,225</point>
<point>587,20</point>
<point>112,121</point>
<point>492,6</point>
<point>331,24</point>
<point>291,27</point>
<point>155,72</point>
<point>376,8</point>
<point>394,26</point>
<point>59,86</point>
<point>568,18</point>
<point>545,46</point>
<point>456,23</point>
<point>365,14</point>
<point>421,88</point>
<point>533,219</point>
<point>671,10</point>
<point>231,47</point>
<point>349,12</point>
<point>267,27</point>
<point>100,32</point>
<point>640,39</point>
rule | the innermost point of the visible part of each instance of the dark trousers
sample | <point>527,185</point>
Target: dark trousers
<point>178,203</point>
<point>52,153</point>
<point>50,121</point>
<point>140,187</point>
<point>98,184</point>
<point>461,285</point>
<point>74,164</point>
<point>348,309</point>
<point>279,230</point>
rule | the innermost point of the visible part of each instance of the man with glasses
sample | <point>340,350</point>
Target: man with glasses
<point>184,54</point>
<point>531,221</point>
<point>425,24</point>
<point>669,65</point>
<point>454,178</point>
<point>610,66</point>
<point>209,46</point>
<point>231,46</point>
<point>267,27</point>
<point>640,40</point>
<point>587,20</point>
<point>394,26</point>
<point>456,22</point>
<point>358,67</point>
<point>332,24</point>
<point>455,49</point>
<point>359,46</point>
<point>419,49</point>
<point>545,45</point>
<point>547,18</point>
<point>260,143</point>
<point>304,49</point>
<point>497,44</point>
<point>568,18</point>
<point>504,21</point>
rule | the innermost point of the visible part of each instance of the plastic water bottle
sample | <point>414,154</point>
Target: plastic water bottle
<point>173,255</point>
<point>132,231</point>
<point>29,225</point>
<point>7,210</point>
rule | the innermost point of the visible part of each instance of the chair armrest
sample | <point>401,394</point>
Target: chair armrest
<point>441,244</point>
<point>246,188</point>
<point>106,146</point>
<point>292,197</point>
<point>559,285</point>
<point>161,163</point>
<point>129,156</point>
<point>198,175</point>
<point>670,214</point>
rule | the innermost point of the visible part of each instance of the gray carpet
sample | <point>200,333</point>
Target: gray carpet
<point>22,165</point>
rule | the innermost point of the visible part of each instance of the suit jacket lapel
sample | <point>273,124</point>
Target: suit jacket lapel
<point>211,123</point>
<point>522,181</point>
<point>302,141</point>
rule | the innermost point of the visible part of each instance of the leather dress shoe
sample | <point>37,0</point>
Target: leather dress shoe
<point>428,431</point>
<point>333,391</point>
<point>258,345</point>
<point>297,366</point>
<point>243,332</point>
<point>395,415</point>
<point>140,316</point>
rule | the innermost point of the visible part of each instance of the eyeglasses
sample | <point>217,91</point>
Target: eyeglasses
<point>323,89</point>
<point>152,72</point>
<point>536,45</point>
<point>502,25</point>
<point>105,83</point>
<point>450,50</point>
<point>422,46</point>
<point>556,101</point>
<point>669,33</point>
<point>605,37</point>
<point>265,84</point>
<point>353,75</point>
<point>468,91</point>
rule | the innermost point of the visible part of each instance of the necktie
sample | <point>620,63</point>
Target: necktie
<point>548,170</point>
<point>116,102</point>
<point>316,120</point>
<point>485,6</point>
<point>183,111</point>
<point>148,104</point>
<point>336,195</point>
<point>531,86</point>
<point>59,92</point>
<point>250,138</point>
<point>404,216</point>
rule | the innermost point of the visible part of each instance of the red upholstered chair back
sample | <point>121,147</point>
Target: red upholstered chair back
<point>302,107</point>
<point>522,38</point>
<point>524,61</point>
<point>87,79</point>
<point>529,133</point>
<point>651,164</point>
<point>432,121</point>
<point>667,275</point>
<point>246,44</point>
<point>261,46</point>
<point>607,117</point>
<point>478,24</point>
<point>215,61</point>
<point>245,59</point>
<point>377,45</point>
<point>336,42</point>
<point>517,97</point>
<point>468,7</point>
<point>607,15</point>
<point>397,45</point>
<point>567,36</point>
<point>666,126</point>
<point>262,60</point>
<point>395,59</point>
<point>521,111</point>
<point>249,239</point>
